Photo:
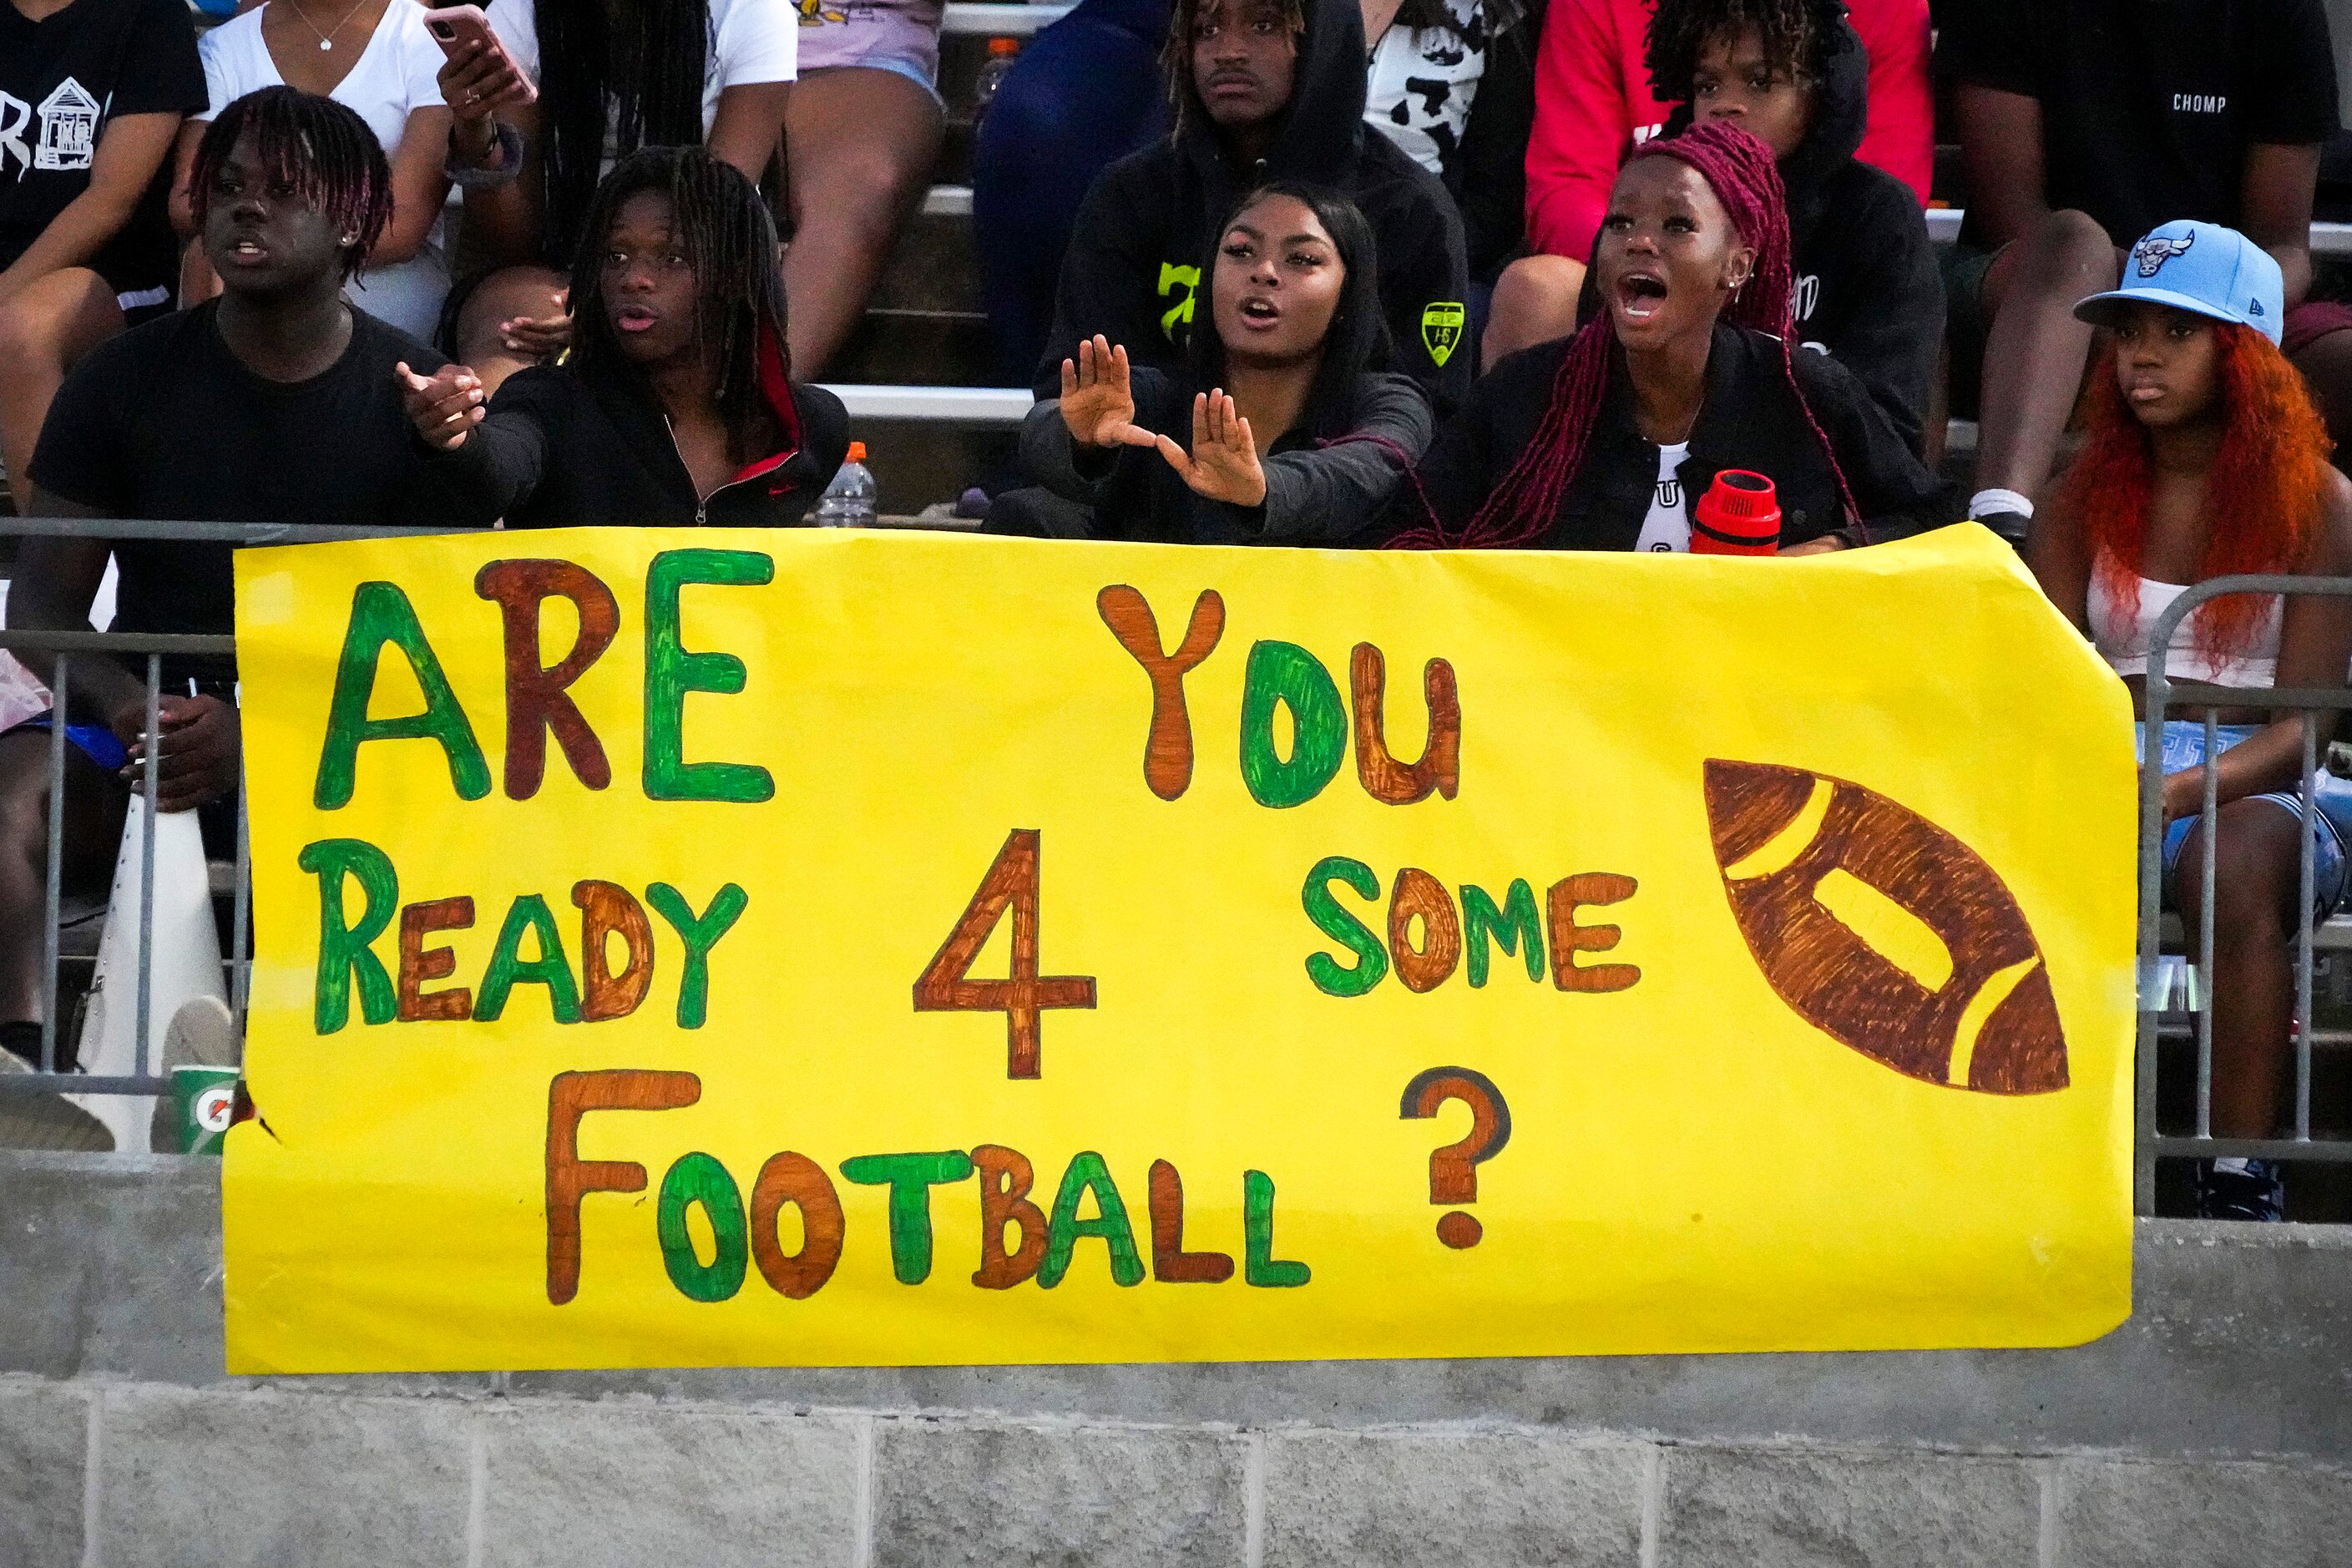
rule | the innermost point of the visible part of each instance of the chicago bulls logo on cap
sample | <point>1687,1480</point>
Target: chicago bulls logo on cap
<point>2153,252</point>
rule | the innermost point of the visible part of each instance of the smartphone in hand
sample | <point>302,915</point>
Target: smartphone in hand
<point>454,27</point>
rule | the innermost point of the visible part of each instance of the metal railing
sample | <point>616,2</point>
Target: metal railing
<point>2156,990</point>
<point>52,653</point>
<point>50,656</point>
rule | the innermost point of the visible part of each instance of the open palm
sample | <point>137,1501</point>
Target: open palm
<point>1097,396</point>
<point>1223,465</point>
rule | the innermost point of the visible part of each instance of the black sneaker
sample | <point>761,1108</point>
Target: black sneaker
<point>2256,1193</point>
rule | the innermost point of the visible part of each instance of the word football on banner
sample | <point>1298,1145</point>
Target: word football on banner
<point>817,948</point>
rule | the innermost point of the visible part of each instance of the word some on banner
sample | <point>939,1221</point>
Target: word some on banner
<point>1659,975</point>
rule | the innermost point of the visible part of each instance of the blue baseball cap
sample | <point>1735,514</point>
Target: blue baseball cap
<point>2202,268</point>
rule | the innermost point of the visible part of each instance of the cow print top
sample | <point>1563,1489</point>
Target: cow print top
<point>1420,81</point>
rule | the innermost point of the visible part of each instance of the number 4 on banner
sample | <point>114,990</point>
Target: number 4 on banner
<point>944,986</point>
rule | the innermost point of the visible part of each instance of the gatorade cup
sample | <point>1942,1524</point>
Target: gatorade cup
<point>204,1102</point>
<point>1740,515</point>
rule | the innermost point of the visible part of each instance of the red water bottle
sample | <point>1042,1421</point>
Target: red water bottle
<point>1740,515</point>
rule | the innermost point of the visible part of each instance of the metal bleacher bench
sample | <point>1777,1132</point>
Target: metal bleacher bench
<point>2326,239</point>
<point>983,406</point>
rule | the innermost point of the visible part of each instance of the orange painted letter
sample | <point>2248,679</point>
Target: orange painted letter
<point>1568,939</point>
<point>570,1178</point>
<point>1168,749</point>
<point>1005,1178</point>
<point>607,907</point>
<point>1170,1264</point>
<point>1384,778</point>
<point>419,963</point>
<point>537,702</point>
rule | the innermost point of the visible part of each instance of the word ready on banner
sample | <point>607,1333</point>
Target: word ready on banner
<point>822,948</point>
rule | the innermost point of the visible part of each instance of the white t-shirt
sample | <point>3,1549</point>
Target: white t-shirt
<point>393,76</point>
<point>1668,525</point>
<point>750,41</point>
<point>1420,84</point>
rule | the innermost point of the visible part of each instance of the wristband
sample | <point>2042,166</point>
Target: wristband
<point>509,145</point>
<point>1984,503</point>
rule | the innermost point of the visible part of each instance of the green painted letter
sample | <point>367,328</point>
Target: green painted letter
<point>1515,928</point>
<point>342,947</point>
<point>1087,1173</point>
<point>700,933</point>
<point>1285,673</point>
<point>1371,959</point>
<point>382,614</point>
<point>507,966</point>
<point>671,672</point>
<point>910,1178</point>
<point>700,1179</point>
<point>1261,1267</point>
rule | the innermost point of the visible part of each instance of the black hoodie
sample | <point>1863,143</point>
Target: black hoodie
<point>1148,227</point>
<point>1748,419</point>
<point>567,446</point>
<point>1868,293</point>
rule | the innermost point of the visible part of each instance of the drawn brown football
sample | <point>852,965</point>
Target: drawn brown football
<point>1885,931</point>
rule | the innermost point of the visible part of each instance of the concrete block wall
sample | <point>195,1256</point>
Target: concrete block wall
<point>2215,1428</point>
<point>144,1476</point>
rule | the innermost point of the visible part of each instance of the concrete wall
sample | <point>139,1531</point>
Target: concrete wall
<point>2216,1427</point>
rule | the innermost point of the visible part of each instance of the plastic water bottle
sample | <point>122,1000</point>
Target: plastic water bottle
<point>848,501</point>
<point>1002,52</point>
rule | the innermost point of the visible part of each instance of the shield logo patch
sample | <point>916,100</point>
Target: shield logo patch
<point>1441,329</point>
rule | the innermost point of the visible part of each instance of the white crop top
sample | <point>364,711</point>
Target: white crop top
<point>2122,638</point>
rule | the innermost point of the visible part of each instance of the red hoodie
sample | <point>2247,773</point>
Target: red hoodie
<point>1593,103</point>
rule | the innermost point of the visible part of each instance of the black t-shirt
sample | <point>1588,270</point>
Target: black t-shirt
<point>2149,106</point>
<point>165,422</point>
<point>61,80</point>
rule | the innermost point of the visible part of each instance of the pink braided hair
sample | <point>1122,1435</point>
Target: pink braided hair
<point>1745,178</point>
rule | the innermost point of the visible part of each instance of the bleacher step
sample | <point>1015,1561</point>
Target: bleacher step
<point>933,268</point>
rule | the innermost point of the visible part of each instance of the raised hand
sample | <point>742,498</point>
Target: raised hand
<point>475,82</point>
<point>444,406</point>
<point>1223,465</point>
<point>1098,397</point>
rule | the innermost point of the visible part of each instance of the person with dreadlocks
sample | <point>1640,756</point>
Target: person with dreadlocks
<point>674,406</point>
<point>1792,73</point>
<point>273,402</point>
<point>1278,432</point>
<point>1602,440</point>
<point>1264,90</point>
<point>379,61</point>
<point>2205,457</point>
<point>614,76</point>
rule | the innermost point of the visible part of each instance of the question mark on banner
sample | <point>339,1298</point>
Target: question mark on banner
<point>1454,1169</point>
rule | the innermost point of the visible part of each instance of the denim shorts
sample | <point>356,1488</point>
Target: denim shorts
<point>2184,747</point>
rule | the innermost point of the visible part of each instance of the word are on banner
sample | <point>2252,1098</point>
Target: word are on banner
<point>819,948</point>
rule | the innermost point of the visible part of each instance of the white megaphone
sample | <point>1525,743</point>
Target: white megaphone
<point>184,971</point>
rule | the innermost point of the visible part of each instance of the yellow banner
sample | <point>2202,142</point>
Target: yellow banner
<point>808,948</point>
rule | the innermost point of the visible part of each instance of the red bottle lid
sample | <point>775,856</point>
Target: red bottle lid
<point>1740,515</point>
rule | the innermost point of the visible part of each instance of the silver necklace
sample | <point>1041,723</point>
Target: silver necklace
<point>326,39</point>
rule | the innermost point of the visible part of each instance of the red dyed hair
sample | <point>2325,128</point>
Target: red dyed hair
<point>2262,498</point>
<point>1745,178</point>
